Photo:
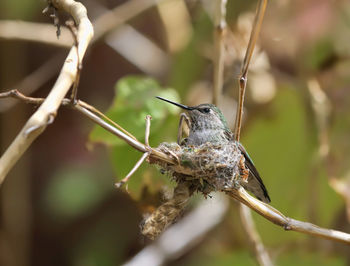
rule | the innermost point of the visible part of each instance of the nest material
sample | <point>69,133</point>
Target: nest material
<point>205,168</point>
<point>208,167</point>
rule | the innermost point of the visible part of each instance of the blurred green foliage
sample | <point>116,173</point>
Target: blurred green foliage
<point>72,192</point>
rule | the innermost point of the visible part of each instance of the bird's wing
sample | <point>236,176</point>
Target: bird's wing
<point>255,184</point>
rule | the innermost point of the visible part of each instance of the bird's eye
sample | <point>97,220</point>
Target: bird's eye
<point>206,110</point>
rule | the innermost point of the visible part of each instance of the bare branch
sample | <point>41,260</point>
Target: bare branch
<point>244,70</point>
<point>219,48</point>
<point>47,111</point>
<point>287,223</point>
<point>133,170</point>
<point>99,118</point>
<point>239,194</point>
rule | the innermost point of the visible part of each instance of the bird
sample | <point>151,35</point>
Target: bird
<point>206,123</point>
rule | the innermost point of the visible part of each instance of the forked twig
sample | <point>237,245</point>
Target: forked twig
<point>133,170</point>
<point>142,159</point>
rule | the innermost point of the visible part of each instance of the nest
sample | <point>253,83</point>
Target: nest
<point>208,167</point>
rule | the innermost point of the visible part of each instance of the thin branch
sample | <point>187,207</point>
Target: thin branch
<point>99,118</point>
<point>260,252</point>
<point>47,111</point>
<point>239,194</point>
<point>287,223</point>
<point>219,49</point>
<point>132,171</point>
<point>244,71</point>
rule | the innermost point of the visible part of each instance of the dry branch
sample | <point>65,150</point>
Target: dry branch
<point>156,156</point>
<point>287,223</point>
<point>260,252</point>
<point>242,82</point>
<point>47,111</point>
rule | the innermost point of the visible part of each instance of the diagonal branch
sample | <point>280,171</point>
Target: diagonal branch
<point>158,157</point>
<point>287,223</point>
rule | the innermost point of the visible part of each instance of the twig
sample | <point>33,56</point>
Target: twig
<point>133,170</point>
<point>54,16</point>
<point>219,48</point>
<point>47,111</point>
<point>244,70</point>
<point>260,252</point>
<point>180,237</point>
<point>245,213</point>
<point>287,223</point>
<point>142,159</point>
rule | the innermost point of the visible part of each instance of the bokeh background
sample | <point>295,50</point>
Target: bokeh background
<point>58,205</point>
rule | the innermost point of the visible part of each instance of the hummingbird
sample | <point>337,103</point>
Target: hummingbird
<point>206,123</point>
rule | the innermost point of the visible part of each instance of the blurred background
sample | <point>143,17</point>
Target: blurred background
<point>58,205</point>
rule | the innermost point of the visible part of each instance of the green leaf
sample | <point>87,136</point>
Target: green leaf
<point>136,99</point>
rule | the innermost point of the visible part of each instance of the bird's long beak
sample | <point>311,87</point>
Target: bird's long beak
<point>174,103</point>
